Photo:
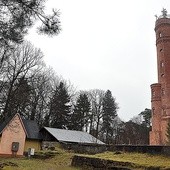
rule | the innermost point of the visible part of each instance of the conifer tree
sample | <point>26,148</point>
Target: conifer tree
<point>16,16</point>
<point>109,113</point>
<point>146,114</point>
<point>59,114</point>
<point>81,113</point>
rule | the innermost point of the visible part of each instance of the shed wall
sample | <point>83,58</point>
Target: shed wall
<point>32,144</point>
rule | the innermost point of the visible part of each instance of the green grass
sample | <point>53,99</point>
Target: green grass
<point>140,160</point>
<point>59,160</point>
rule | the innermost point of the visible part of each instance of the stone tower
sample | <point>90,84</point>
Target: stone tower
<point>160,92</point>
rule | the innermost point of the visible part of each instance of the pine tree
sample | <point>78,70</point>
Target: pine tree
<point>16,16</point>
<point>59,115</point>
<point>81,113</point>
<point>109,113</point>
<point>146,114</point>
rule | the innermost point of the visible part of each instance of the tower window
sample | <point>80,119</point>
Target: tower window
<point>153,93</point>
<point>153,110</point>
<point>160,34</point>
<point>162,75</point>
<point>164,112</point>
<point>163,92</point>
<point>162,64</point>
<point>160,50</point>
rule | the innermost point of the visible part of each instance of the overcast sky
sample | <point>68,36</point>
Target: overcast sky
<point>106,44</point>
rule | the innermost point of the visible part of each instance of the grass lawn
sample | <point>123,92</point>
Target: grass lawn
<point>61,160</point>
<point>58,160</point>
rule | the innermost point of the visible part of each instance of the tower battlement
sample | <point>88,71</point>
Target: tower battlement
<point>162,19</point>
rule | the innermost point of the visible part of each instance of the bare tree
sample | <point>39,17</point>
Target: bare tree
<point>22,61</point>
<point>5,52</point>
<point>42,84</point>
<point>96,98</point>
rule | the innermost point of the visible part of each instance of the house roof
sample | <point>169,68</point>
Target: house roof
<point>64,135</point>
<point>32,129</point>
<point>30,126</point>
<point>4,123</point>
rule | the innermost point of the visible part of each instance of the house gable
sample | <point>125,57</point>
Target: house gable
<point>14,131</point>
<point>5,123</point>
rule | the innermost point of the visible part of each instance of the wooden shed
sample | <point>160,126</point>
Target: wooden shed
<point>68,136</point>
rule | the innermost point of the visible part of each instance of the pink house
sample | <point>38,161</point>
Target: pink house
<point>16,136</point>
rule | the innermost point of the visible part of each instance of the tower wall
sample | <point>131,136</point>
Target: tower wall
<point>162,30</point>
<point>155,134</point>
<point>161,112</point>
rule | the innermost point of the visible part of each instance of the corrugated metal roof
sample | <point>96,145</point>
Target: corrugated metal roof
<point>64,135</point>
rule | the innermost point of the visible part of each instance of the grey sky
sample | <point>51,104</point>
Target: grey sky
<point>106,44</point>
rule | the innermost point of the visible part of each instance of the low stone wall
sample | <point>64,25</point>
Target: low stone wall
<point>99,164</point>
<point>76,147</point>
<point>91,163</point>
<point>85,148</point>
<point>96,148</point>
<point>151,149</point>
<point>46,145</point>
